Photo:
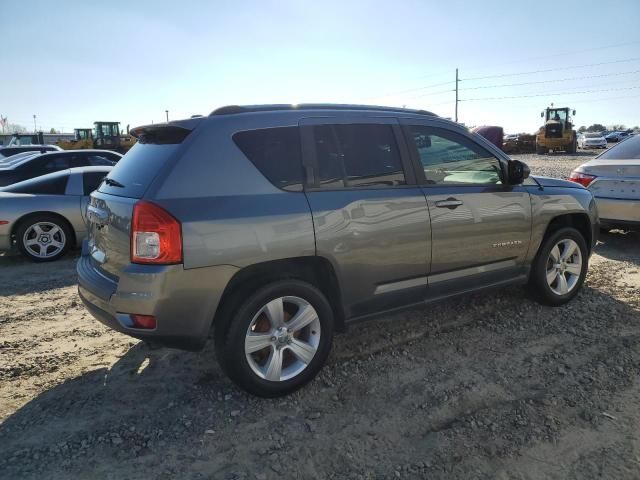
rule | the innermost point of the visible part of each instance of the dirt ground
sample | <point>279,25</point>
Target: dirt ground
<point>487,386</point>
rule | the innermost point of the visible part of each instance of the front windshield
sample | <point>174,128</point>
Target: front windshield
<point>557,115</point>
<point>107,130</point>
<point>593,135</point>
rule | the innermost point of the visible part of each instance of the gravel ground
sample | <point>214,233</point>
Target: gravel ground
<point>487,386</point>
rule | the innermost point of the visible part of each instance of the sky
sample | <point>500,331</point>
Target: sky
<point>71,63</point>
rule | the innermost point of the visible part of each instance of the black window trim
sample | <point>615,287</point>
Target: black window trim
<point>406,123</point>
<point>309,160</point>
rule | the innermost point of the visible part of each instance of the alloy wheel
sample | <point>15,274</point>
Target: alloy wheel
<point>282,338</point>
<point>564,266</point>
<point>44,240</point>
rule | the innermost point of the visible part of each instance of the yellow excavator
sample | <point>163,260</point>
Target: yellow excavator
<point>107,136</point>
<point>557,133</point>
<point>82,139</point>
<point>104,135</point>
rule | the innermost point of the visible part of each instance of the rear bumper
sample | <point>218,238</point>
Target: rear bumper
<point>184,302</point>
<point>611,211</point>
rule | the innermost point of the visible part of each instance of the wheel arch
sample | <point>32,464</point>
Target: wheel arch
<point>579,221</point>
<point>316,270</point>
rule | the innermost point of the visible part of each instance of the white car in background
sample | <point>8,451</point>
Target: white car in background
<point>614,179</point>
<point>592,140</point>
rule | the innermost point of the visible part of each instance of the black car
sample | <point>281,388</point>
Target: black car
<point>38,164</point>
<point>8,151</point>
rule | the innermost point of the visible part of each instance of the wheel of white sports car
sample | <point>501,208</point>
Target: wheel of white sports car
<point>43,238</point>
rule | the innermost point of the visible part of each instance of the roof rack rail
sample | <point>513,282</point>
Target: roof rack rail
<point>233,109</point>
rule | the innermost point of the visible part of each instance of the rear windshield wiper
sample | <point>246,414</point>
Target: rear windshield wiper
<point>113,183</point>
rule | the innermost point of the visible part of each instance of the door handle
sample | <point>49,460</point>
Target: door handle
<point>449,203</point>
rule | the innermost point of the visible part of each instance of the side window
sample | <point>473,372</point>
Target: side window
<point>58,162</point>
<point>100,161</point>
<point>357,155</point>
<point>91,181</point>
<point>276,152</point>
<point>50,186</point>
<point>449,158</point>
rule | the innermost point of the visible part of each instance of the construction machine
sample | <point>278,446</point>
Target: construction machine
<point>557,133</point>
<point>26,139</point>
<point>107,136</point>
<point>82,139</point>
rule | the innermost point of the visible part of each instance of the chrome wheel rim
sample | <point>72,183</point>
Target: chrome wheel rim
<point>564,266</point>
<point>44,240</point>
<point>282,338</point>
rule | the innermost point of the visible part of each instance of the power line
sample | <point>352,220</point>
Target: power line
<point>552,81</point>
<point>569,92</point>
<point>609,98</point>
<point>400,92</point>
<point>433,93</point>
<point>574,52</point>
<point>551,69</point>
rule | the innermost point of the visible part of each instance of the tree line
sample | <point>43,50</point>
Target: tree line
<point>598,127</point>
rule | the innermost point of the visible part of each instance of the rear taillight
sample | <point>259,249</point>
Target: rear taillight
<point>582,178</point>
<point>156,237</point>
<point>146,322</point>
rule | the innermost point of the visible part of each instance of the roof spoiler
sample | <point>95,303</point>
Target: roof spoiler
<point>162,134</point>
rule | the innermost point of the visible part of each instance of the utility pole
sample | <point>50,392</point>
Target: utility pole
<point>457,80</point>
<point>167,112</point>
<point>35,129</point>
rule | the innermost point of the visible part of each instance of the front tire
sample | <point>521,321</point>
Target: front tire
<point>44,238</point>
<point>276,340</point>
<point>560,267</point>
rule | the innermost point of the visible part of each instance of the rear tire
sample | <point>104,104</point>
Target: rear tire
<point>44,237</point>
<point>560,267</point>
<point>541,150</point>
<point>277,339</point>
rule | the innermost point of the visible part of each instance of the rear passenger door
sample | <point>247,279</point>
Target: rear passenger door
<point>370,218</point>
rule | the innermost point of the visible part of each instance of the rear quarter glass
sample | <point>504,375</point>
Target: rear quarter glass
<point>137,169</point>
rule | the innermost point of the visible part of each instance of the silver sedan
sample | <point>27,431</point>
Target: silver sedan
<point>614,179</point>
<point>45,216</point>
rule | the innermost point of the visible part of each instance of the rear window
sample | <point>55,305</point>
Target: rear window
<point>45,186</point>
<point>133,174</point>
<point>629,149</point>
<point>276,152</point>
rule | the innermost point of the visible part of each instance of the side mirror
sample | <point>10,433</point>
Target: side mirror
<point>541,114</point>
<point>574,112</point>
<point>518,172</point>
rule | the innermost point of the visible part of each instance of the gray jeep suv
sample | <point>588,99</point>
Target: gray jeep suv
<point>275,226</point>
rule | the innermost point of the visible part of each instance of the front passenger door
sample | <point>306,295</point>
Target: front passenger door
<point>480,225</point>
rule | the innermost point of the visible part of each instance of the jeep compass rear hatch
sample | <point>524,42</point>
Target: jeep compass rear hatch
<point>111,207</point>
